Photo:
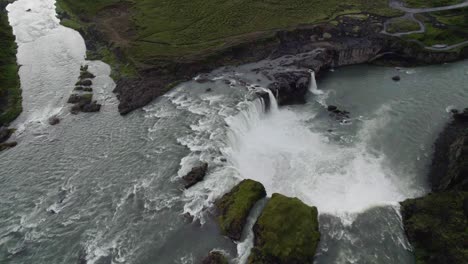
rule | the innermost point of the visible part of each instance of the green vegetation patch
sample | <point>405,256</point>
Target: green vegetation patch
<point>215,257</point>
<point>437,226</point>
<point>400,25</point>
<point>178,29</point>
<point>448,27</point>
<point>431,3</point>
<point>286,232</point>
<point>234,207</point>
<point>10,90</point>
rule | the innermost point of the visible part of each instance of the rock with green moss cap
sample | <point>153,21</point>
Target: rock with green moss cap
<point>234,207</point>
<point>437,227</point>
<point>286,232</point>
<point>215,257</point>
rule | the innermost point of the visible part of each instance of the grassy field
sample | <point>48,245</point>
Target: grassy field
<point>402,25</point>
<point>452,29</point>
<point>10,93</point>
<point>431,3</point>
<point>182,29</point>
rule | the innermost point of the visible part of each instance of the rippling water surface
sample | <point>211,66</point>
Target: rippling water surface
<point>103,188</point>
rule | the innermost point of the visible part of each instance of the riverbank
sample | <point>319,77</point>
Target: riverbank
<point>151,55</point>
<point>10,91</point>
<point>437,223</point>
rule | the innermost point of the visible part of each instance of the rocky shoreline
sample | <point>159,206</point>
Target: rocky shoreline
<point>437,224</point>
<point>349,40</point>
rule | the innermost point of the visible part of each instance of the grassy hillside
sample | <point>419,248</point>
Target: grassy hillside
<point>10,93</point>
<point>431,3</point>
<point>150,30</point>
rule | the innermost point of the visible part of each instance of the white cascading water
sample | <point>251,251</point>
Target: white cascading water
<point>281,152</point>
<point>313,84</point>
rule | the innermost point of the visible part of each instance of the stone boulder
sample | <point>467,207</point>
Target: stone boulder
<point>54,120</point>
<point>234,207</point>
<point>290,87</point>
<point>436,226</point>
<point>215,257</point>
<point>197,174</point>
<point>5,134</point>
<point>287,231</point>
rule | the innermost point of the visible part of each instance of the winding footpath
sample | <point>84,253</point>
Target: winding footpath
<point>410,12</point>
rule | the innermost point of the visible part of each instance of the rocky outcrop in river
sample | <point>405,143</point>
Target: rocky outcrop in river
<point>437,224</point>
<point>234,207</point>
<point>286,232</point>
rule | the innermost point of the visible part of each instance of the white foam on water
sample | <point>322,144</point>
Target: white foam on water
<point>49,55</point>
<point>281,152</point>
<point>313,84</point>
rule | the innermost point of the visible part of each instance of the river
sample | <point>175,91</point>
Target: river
<point>102,188</point>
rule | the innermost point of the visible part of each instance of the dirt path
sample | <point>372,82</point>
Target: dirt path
<point>410,15</point>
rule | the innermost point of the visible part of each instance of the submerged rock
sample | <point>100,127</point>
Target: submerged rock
<point>196,175</point>
<point>90,107</point>
<point>234,207</point>
<point>215,257</point>
<point>8,145</point>
<point>54,120</point>
<point>5,134</point>
<point>436,226</point>
<point>286,232</point>
<point>290,87</point>
<point>84,83</point>
<point>396,78</point>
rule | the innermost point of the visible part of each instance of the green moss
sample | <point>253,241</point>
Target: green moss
<point>437,227</point>
<point>286,232</point>
<point>215,257</point>
<point>234,207</point>
<point>175,29</point>
<point>10,91</point>
<point>431,3</point>
<point>452,31</point>
<point>402,25</point>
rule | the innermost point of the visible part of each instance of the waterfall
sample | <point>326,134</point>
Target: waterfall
<point>313,84</point>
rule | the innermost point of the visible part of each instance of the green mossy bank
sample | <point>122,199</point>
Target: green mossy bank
<point>234,207</point>
<point>437,224</point>
<point>287,231</point>
<point>10,90</point>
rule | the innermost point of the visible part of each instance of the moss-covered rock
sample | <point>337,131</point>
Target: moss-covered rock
<point>215,257</point>
<point>286,232</point>
<point>234,207</point>
<point>437,227</point>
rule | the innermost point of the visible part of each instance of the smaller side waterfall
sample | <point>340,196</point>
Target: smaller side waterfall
<point>313,84</point>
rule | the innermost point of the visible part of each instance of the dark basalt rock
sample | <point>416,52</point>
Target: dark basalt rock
<point>461,116</point>
<point>7,145</point>
<point>436,227</point>
<point>91,107</point>
<point>287,231</point>
<point>290,87</point>
<point>84,83</point>
<point>54,120</point>
<point>215,257</point>
<point>449,168</point>
<point>339,115</point>
<point>86,75</point>
<point>234,207</point>
<point>436,224</point>
<point>265,98</point>
<point>5,134</point>
<point>196,175</point>
<point>81,99</point>
<point>396,78</point>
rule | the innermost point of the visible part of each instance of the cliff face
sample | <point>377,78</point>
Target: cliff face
<point>437,224</point>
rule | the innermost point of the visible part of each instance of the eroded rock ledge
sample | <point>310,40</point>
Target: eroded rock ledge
<point>437,224</point>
